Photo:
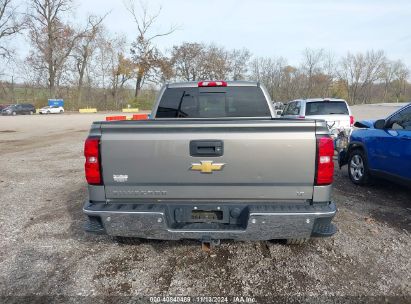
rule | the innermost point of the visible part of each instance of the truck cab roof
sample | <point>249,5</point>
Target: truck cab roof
<point>319,99</point>
<point>195,84</point>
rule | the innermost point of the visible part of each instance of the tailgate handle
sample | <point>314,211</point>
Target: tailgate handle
<point>206,148</point>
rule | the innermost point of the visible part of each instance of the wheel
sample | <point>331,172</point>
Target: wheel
<point>48,112</point>
<point>297,241</point>
<point>127,240</point>
<point>358,167</point>
<point>31,113</point>
<point>14,113</point>
<point>61,111</point>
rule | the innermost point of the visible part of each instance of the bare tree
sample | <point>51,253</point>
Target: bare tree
<point>351,72</point>
<point>194,61</point>
<point>214,63</point>
<point>10,25</point>
<point>123,71</point>
<point>165,69</point>
<point>186,60</point>
<point>239,60</point>
<point>329,69</point>
<point>291,84</point>
<point>359,73</point>
<point>401,74</point>
<point>109,69</point>
<point>269,71</point>
<point>84,49</point>
<point>105,60</point>
<point>387,77</point>
<point>52,40</point>
<point>374,67</point>
<point>146,55</point>
<point>311,66</point>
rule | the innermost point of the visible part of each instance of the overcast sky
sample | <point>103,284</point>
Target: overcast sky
<point>268,27</point>
<point>275,28</point>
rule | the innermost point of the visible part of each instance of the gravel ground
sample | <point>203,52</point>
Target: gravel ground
<point>44,251</point>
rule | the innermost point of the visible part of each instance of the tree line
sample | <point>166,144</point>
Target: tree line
<point>88,66</point>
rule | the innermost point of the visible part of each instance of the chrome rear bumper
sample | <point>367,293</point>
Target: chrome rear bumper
<point>260,222</point>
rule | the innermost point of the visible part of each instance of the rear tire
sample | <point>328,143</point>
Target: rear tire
<point>61,111</point>
<point>31,112</point>
<point>127,240</point>
<point>14,113</point>
<point>297,241</point>
<point>358,168</point>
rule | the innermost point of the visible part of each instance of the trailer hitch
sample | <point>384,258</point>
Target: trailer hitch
<point>207,244</point>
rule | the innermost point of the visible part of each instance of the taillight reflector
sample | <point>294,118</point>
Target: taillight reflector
<point>325,163</point>
<point>351,120</point>
<point>212,84</point>
<point>92,164</point>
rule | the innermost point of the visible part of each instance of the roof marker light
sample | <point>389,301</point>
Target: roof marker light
<point>212,84</point>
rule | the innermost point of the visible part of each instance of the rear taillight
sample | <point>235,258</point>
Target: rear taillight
<point>212,84</point>
<point>351,121</point>
<point>92,165</point>
<point>325,163</point>
<point>301,117</point>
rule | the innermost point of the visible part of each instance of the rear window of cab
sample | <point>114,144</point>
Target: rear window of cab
<point>326,108</point>
<point>213,103</point>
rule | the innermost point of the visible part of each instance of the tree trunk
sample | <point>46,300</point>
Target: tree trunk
<point>138,84</point>
<point>80,87</point>
<point>79,96</point>
<point>139,81</point>
<point>52,84</point>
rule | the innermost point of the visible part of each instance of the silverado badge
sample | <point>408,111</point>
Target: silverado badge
<point>206,166</point>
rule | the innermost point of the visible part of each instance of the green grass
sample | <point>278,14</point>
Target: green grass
<point>99,98</point>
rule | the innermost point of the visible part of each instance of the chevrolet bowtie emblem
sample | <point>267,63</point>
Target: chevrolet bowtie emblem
<point>206,166</point>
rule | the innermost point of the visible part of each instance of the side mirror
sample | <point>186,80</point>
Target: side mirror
<point>379,124</point>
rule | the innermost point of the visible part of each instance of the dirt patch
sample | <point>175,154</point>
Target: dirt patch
<point>391,218</point>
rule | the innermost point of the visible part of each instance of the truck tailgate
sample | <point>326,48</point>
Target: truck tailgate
<point>262,159</point>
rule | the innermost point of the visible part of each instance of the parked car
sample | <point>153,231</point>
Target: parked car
<point>202,168</point>
<point>23,108</point>
<point>3,106</point>
<point>380,148</point>
<point>336,113</point>
<point>51,110</point>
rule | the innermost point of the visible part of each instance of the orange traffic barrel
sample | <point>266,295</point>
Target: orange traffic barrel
<point>110,118</point>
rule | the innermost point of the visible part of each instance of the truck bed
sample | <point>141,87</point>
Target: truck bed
<point>212,163</point>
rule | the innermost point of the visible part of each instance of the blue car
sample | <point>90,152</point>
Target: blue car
<point>380,149</point>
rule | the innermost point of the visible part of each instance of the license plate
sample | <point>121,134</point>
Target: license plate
<point>213,215</point>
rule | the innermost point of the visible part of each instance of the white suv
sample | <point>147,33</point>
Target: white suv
<point>335,112</point>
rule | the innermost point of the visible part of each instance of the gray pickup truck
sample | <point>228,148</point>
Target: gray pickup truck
<point>212,163</point>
